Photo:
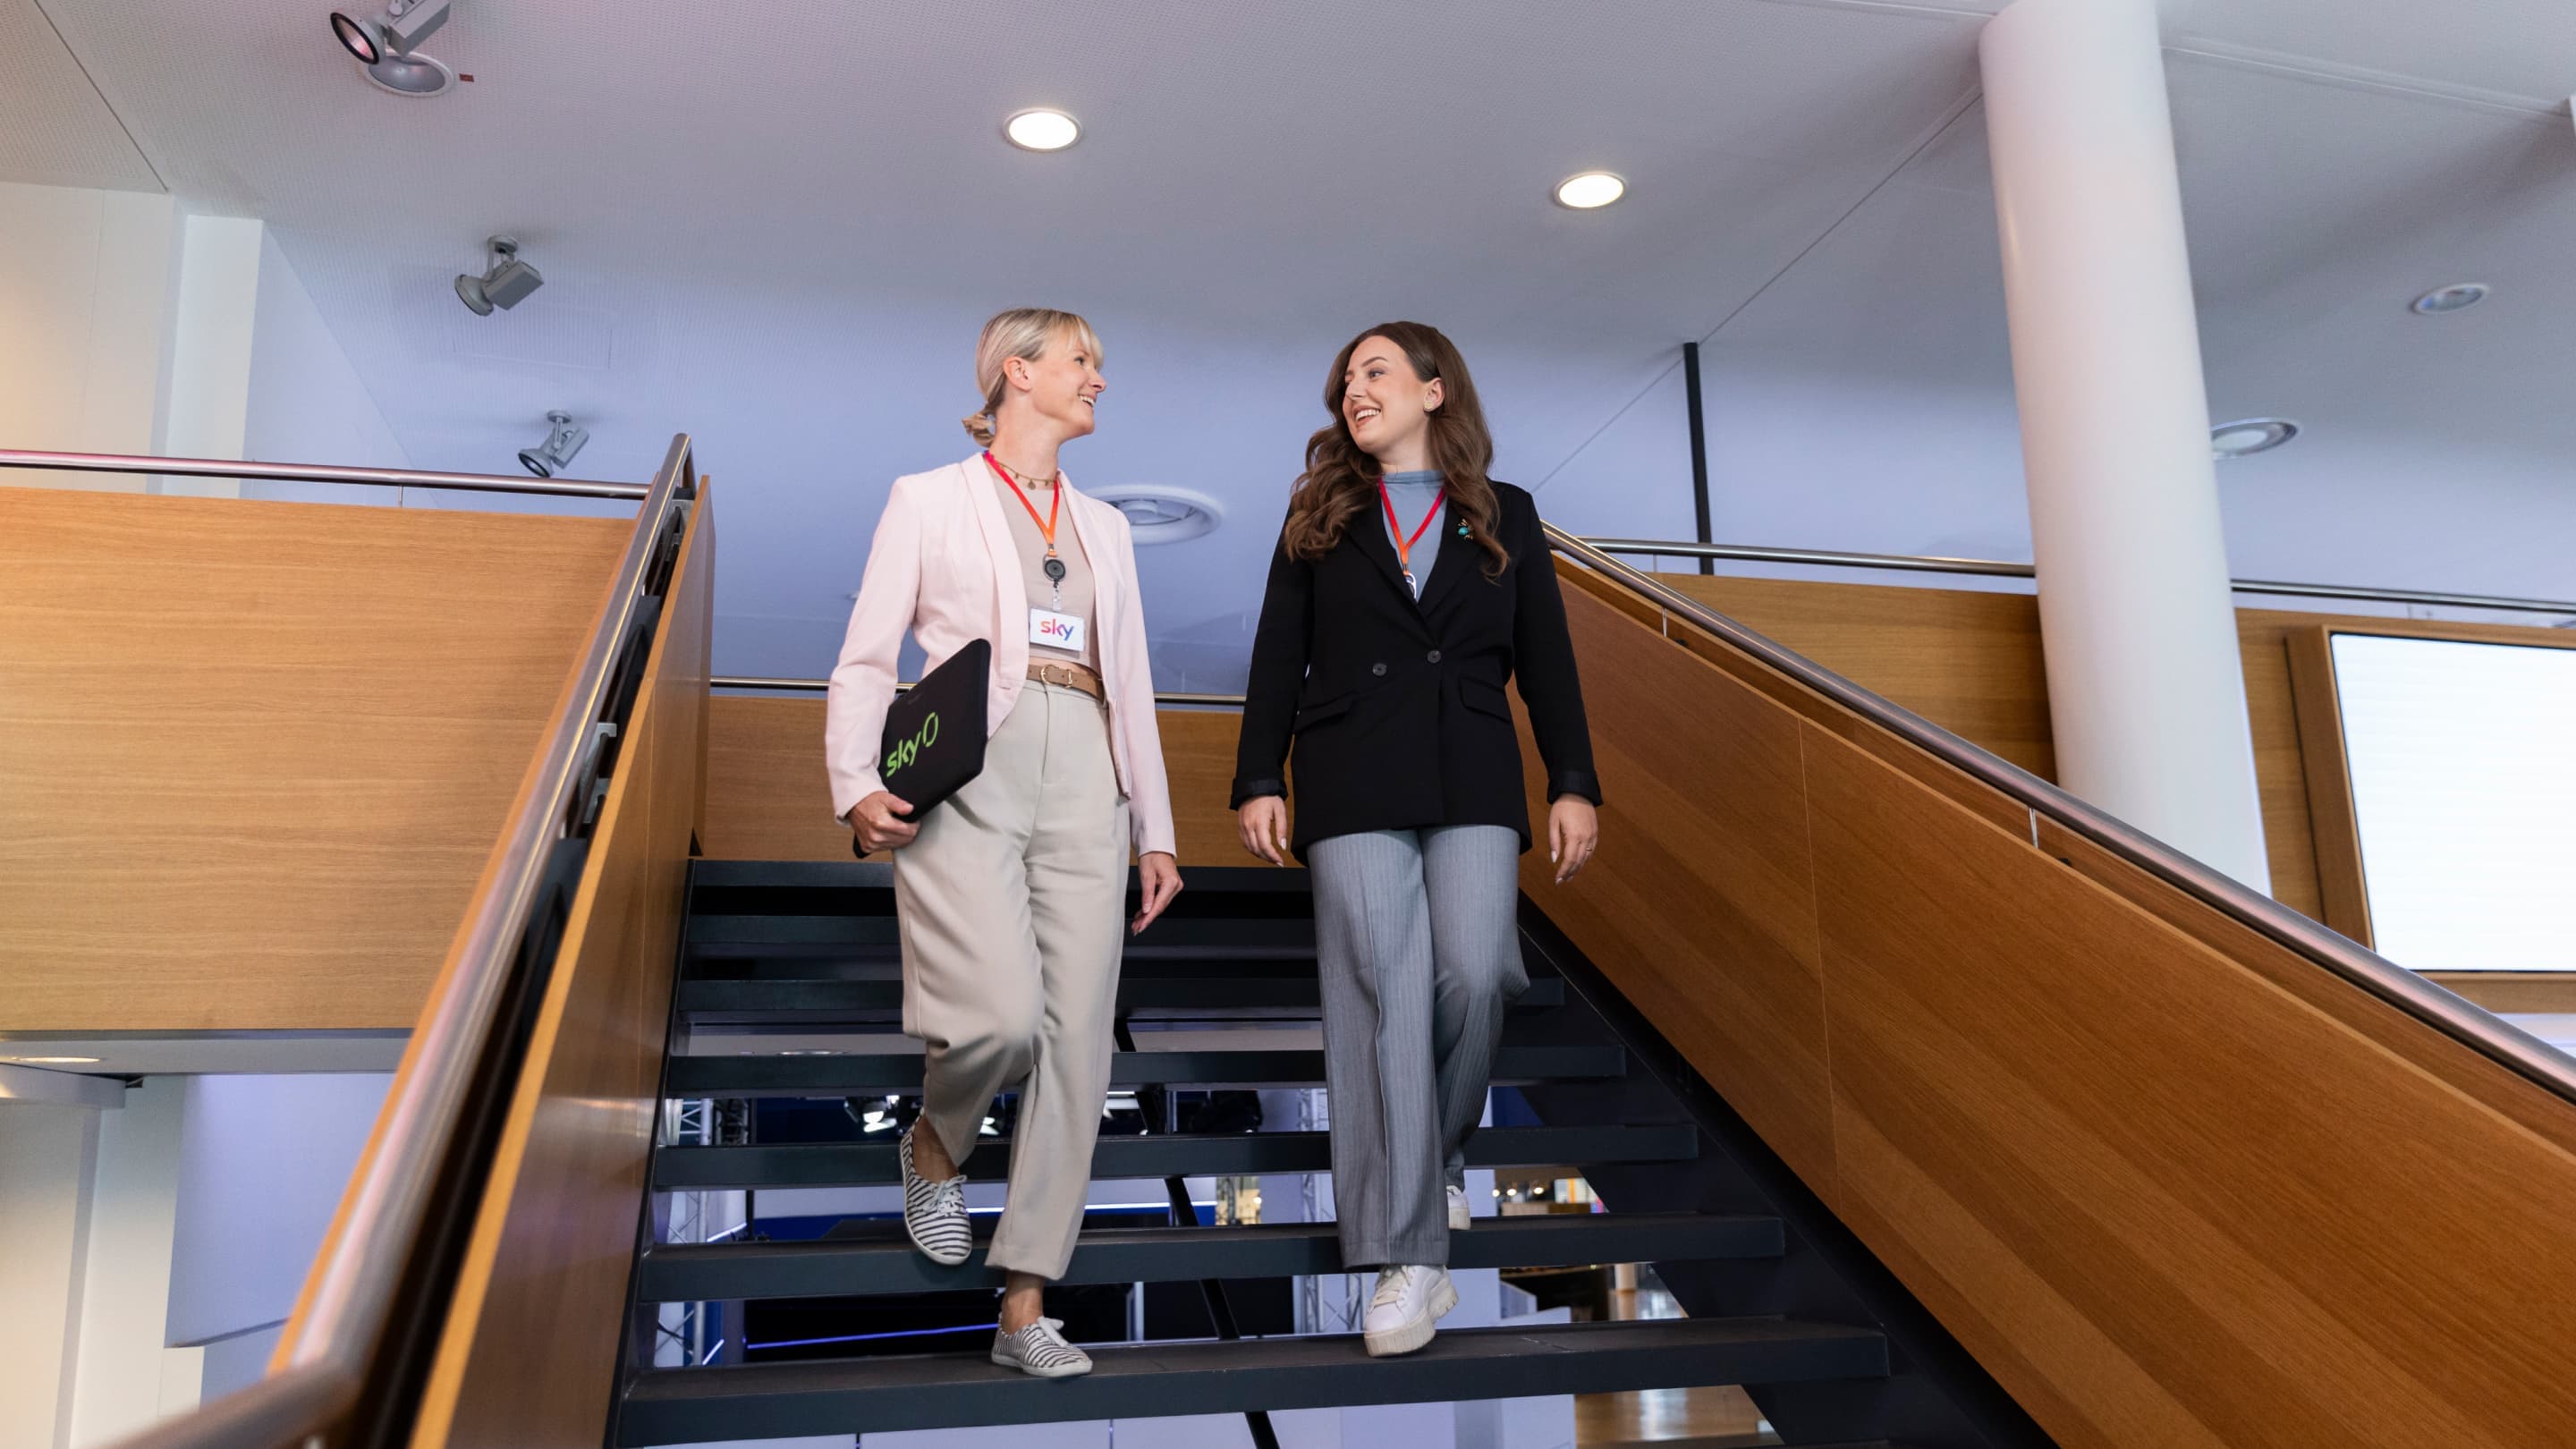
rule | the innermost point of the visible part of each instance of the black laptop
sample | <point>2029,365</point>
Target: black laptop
<point>934,732</point>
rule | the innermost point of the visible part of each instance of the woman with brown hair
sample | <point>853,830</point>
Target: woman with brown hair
<point>1407,590</point>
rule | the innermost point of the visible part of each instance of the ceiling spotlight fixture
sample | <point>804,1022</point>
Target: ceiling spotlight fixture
<point>387,45</point>
<point>1590,190</point>
<point>403,25</point>
<point>2247,436</point>
<point>1041,128</point>
<point>555,454</point>
<point>2449,299</point>
<point>504,284</point>
<point>51,1061</point>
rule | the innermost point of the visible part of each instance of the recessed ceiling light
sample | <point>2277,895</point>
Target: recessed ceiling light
<point>2450,299</point>
<point>50,1061</point>
<point>1161,513</point>
<point>2248,436</point>
<point>1586,190</point>
<point>1041,129</point>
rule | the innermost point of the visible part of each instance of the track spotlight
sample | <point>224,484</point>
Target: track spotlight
<point>403,25</point>
<point>562,441</point>
<point>504,284</point>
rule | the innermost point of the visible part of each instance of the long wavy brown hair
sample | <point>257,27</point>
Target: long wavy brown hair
<point>1341,481</point>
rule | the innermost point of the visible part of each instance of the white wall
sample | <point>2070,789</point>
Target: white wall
<point>261,1164</point>
<point>306,403</point>
<point>85,279</point>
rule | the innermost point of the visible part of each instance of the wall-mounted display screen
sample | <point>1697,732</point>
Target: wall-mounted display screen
<point>2463,761</point>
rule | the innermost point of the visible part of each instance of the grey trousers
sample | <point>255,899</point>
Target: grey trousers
<point>1417,940</point>
<point>1011,906</point>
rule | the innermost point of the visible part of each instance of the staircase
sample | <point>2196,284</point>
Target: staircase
<point>805,953</point>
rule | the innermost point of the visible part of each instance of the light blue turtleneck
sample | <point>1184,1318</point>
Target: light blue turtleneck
<point>1414,494</point>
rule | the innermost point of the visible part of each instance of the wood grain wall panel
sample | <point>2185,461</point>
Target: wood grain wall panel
<point>1968,662</point>
<point>257,751</point>
<point>767,795</point>
<point>528,1356</point>
<point>2326,772</point>
<point>1707,922</point>
<point>768,799</point>
<point>2166,1200</point>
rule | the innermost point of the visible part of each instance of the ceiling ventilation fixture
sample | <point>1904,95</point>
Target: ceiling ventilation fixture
<point>386,45</point>
<point>1041,128</point>
<point>504,284</point>
<point>2455,298</point>
<point>1158,513</point>
<point>1590,190</point>
<point>555,454</point>
<point>2247,436</point>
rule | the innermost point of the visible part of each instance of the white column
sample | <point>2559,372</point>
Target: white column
<point>2146,691</point>
<point>213,317</point>
<point>47,1152</point>
<point>127,1379</point>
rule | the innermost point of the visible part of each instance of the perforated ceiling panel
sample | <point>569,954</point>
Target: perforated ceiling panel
<point>54,128</point>
<point>778,227</point>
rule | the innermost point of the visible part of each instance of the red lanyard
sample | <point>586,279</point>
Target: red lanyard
<point>1404,545</point>
<point>1055,506</point>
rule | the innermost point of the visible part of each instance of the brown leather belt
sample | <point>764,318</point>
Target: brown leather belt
<point>1069,676</point>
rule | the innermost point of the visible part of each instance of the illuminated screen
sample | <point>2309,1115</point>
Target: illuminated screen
<point>2464,780</point>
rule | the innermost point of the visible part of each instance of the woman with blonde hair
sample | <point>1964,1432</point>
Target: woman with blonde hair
<point>1407,589</point>
<point>1008,894</point>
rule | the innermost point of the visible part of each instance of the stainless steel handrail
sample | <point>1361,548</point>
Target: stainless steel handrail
<point>353,1290</point>
<point>2518,1051</point>
<point>784,685</point>
<point>317,473</point>
<point>1998,568</point>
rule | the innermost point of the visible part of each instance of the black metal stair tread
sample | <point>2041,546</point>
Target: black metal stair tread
<point>793,930</point>
<point>675,1406</point>
<point>843,1073</point>
<point>766,1000</point>
<point>1206,882</point>
<point>852,1164</point>
<point>878,1258</point>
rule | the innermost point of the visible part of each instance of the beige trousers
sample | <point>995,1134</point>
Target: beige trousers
<point>1011,907</point>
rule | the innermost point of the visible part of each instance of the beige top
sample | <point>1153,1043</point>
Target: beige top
<point>1076,590</point>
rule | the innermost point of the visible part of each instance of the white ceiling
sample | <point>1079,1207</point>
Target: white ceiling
<point>781,235</point>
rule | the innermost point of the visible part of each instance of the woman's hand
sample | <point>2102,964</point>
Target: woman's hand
<point>1264,821</point>
<point>877,824</point>
<point>1160,874</point>
<point>1573,833</point>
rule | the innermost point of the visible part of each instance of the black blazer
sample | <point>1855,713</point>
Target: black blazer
<point>1397,708</point>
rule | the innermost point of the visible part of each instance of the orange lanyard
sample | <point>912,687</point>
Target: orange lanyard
<point>1055,505</point>
<point>1404,545</point>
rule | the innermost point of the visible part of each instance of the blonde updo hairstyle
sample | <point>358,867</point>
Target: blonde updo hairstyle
<point>1022,332</point>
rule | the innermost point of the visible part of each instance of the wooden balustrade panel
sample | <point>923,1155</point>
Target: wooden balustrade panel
<point>253,754</point>
<point>2169,1182</point>
<point>1707,922</point>
<point>529,1354</point>
<point>767,798</point>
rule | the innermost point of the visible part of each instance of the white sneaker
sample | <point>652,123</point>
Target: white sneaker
<point>934,1213</point>
<point>1408,1300</point>
<point>1040,1349</point>
<point>1459,1218</point>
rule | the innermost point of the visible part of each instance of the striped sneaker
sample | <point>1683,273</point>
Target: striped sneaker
<point>934,1213</point>
<point>1040,1349</point>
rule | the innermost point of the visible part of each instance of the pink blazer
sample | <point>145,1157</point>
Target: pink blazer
<point>944,567</point>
